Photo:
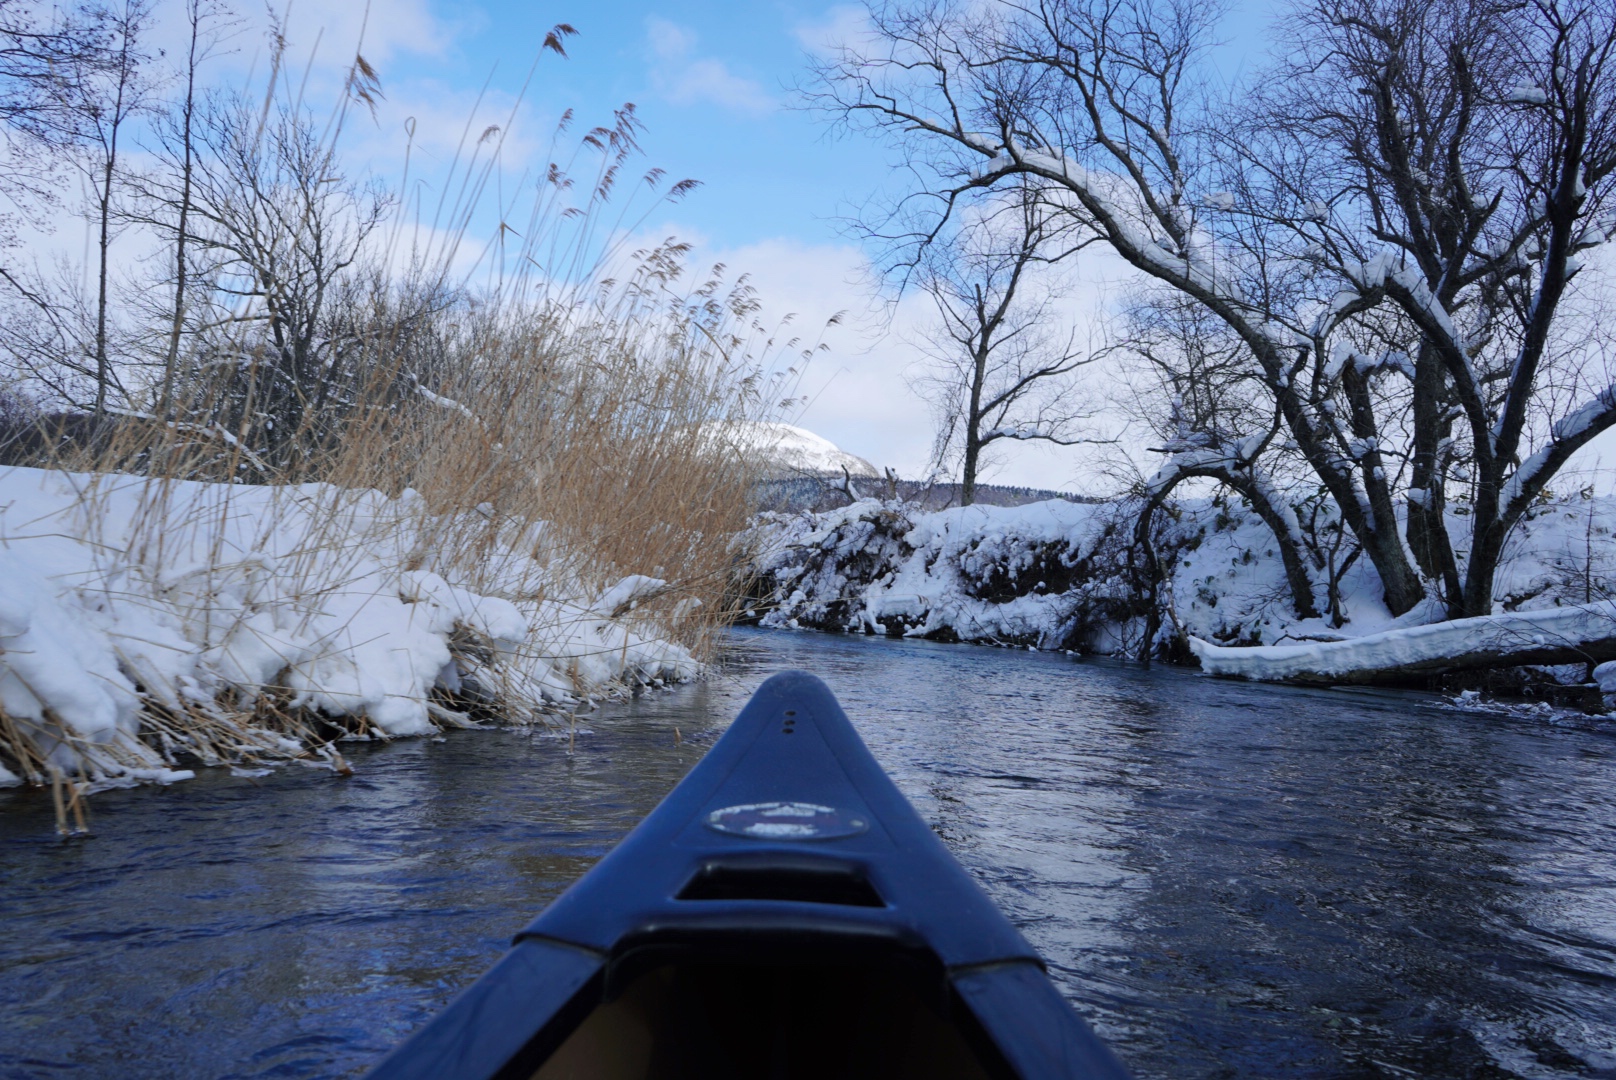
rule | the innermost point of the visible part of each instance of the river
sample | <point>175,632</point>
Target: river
<point>1226,879</point>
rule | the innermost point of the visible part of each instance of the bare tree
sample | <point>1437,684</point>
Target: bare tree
<point>207,21</point>
<point>1475,145</point>
<point>37,47</point>
<point>278,230</point>
<point>1000,352</point>
<point>101,92</point>
<point>1408,199</point>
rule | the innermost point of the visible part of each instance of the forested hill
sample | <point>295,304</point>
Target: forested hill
<point>820,493</point>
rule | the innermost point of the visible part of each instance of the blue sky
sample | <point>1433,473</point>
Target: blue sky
<point>712,83</point>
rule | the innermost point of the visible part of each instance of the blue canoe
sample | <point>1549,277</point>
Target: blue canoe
<point>784,913</point>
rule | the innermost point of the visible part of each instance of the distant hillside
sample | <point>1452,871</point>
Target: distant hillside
<point>801,468</point>
<point>814,493</point>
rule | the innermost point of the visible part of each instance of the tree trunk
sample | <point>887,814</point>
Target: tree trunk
<point>1576,637</point>
<point>171,361</point>
<point>973,453</point>
<point>1486,547</point>
<point>1290,554</point>
<point>103,372</point>
<point>1399,585</point>
<point>1426,530</point>
<point>1297,578</point>
<point>973,410</point>
<point>1152,577</point>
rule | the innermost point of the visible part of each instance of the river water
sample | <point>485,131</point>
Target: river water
<point>1228,880</point>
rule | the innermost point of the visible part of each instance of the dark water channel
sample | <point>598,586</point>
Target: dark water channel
<point>1228,880</point>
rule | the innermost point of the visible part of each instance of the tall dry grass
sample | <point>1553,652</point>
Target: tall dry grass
<point>600,424</point>
<point>600,397</point>
<point>582,421</point>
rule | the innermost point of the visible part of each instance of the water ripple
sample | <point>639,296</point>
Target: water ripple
<point>1229,880</point>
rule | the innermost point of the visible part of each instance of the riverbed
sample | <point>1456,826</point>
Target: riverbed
<point>1226,879</point>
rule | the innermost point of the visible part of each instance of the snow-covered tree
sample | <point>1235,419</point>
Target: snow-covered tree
<point>1391,226</point>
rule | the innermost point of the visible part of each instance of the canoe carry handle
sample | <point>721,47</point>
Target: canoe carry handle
<point>777,875</point>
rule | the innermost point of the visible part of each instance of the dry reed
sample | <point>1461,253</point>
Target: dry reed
<point>559,435</point>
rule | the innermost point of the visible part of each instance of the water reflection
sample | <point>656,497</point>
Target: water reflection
<point>1229,880</point>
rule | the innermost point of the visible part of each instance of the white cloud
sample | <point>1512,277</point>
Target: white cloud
<point>390,27</point>
<point>669,40</point>
<point>859,397</point>
<point>860,388</point>
<point>440,121</point>
<point>322,42</point>
<point>684,78</point>
<point>843,26</point>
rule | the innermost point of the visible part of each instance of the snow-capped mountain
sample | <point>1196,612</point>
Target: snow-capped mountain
<point>796,451</point>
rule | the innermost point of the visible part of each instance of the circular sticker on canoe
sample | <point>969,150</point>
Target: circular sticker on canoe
<point>786,821</point>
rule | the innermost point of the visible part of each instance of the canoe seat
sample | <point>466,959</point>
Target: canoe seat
<point>768,1022</point>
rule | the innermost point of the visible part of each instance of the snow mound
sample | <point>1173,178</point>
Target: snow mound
<point>133,610</point>
<point>1010,575</point>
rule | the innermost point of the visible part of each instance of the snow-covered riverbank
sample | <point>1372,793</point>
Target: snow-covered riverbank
<point>1056,575</point>
<point>147,624</point>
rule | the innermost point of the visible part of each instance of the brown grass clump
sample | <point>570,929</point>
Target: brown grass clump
<point>601,428</point>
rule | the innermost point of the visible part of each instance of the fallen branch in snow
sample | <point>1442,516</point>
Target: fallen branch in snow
<point>1586,633</point>
<point>845,486</point>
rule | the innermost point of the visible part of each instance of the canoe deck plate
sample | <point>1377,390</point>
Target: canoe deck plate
<point>786,821</point>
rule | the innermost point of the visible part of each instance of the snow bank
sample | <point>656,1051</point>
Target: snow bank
<point>140,619</point>
<point>1057,575</point>
<point>1048,574</point>
<point>979,573</point>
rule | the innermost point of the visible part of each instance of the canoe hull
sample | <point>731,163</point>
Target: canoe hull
<point>783,913</point>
